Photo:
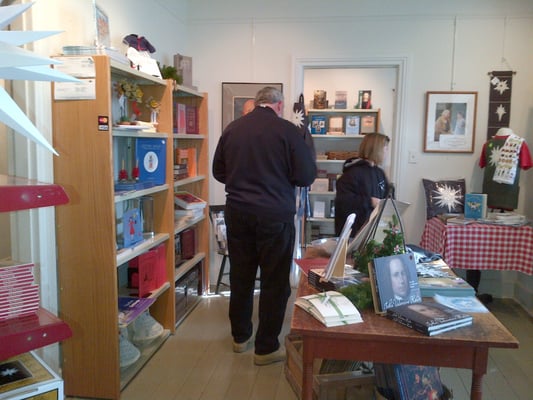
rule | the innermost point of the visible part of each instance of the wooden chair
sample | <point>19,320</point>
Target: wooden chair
<point>216,214</point>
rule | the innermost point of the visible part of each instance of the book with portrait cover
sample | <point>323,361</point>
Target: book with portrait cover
<point>429,317</point>
<point>394,281</point>
<point>475,205</point>
<point>352,124</point>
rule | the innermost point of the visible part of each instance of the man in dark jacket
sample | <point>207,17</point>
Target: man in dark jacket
<point>261,158</point>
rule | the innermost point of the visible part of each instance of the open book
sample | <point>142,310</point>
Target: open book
<point>331,308</point>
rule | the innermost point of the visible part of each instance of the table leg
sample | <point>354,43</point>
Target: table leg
<point>307,373</point>
<point>479,369</point>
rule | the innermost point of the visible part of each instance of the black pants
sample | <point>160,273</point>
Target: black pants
<point>254,242</point>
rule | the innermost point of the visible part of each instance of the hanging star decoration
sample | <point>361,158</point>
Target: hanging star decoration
<point>447,196</point>
<point>298,118</point>
<point>500,111</point>
<point>501,86</point>
<point>495,155</point>
<point>19,64</point>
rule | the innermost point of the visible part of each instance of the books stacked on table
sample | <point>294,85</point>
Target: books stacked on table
<point>429,317</point>
<point>351,276</point>
<point>436,277</point>
<point>19,295</point>
<point>331,308</point>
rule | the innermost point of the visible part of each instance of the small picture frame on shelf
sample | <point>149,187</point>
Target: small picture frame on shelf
<point>352,124</point>
<point>364,100</point>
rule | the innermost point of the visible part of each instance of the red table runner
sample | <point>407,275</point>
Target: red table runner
<point>481,246</point>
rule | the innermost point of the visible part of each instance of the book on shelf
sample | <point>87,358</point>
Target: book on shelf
<point>429,317</point>
<point>319,209</point>
<point>130,308</point>
<point>341,99</point>
<point>335,125</point>
<point>180,118</point>
<point>186,157</point>
<point>188,243</point>
<point>318,124</point>
<point>368,124</point>
<point>475,205</point>
<point>320,185</point>
<point>152,156</point>
<point>394,281</point>
<point>191,119</point>
<point>331,308</point>
<point>353,124</point>
<point>188,200</point>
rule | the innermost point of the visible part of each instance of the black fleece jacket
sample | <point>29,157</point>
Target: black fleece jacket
<point>358,183</point>
<point>261,158</point>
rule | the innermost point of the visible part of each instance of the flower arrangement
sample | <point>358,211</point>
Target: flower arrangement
<point>127,90</point>
<point>154,107</point>
<point>130,90</point>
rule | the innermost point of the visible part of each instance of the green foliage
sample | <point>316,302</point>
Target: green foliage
<point>170,72</point>
<point>392,244</point>
<point>360,295</point>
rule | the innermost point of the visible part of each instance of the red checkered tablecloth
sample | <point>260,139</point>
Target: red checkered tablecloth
<point>481,246</point>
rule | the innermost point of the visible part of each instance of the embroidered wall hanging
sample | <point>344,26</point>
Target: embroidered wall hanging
<point>499,101</point>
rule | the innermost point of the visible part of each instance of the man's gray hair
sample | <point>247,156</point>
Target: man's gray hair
<point>268,95</point>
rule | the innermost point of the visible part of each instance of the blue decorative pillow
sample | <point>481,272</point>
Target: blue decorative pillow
<point>444,197</point>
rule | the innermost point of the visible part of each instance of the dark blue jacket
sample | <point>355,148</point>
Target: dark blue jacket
<point>261,158</point>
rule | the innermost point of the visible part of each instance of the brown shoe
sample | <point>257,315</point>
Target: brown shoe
<point>270,358</point>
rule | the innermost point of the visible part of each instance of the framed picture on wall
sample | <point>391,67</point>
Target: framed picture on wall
<point>450,122</point>
<point>238,99</point>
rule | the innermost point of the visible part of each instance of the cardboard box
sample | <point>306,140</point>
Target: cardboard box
<point>344,385</point>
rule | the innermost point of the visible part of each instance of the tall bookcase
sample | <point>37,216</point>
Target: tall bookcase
<point>334,145</point>
<point>198,184</point>
<point>89,263</point>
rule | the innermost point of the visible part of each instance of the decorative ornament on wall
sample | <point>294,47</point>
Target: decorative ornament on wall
<point>19,64</point>
<point>501,83</point>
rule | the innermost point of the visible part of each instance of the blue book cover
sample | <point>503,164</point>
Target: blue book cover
<point>151,153</point>
<point>475,205</point>
<point>132,227</point>
<point>318,124</point>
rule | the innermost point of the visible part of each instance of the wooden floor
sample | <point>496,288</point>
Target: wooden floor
<point>198,363</point>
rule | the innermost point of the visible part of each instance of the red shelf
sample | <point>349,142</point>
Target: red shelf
<point>20,335</point>
<point>22,194</point>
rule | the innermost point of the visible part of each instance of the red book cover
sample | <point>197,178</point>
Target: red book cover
<point>188,201</point>
<point>191,119</point>
<point>188,244</point>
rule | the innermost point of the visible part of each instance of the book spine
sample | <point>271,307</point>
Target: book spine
<point>408,323</point>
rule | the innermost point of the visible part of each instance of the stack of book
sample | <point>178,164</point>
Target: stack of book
<point>436,277</point>
<point>429,317</point>
<point>19,295</point>
<point>188,201</point>
<point>331,308</point>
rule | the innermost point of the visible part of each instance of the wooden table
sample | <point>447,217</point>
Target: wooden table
<point>379,339</point>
